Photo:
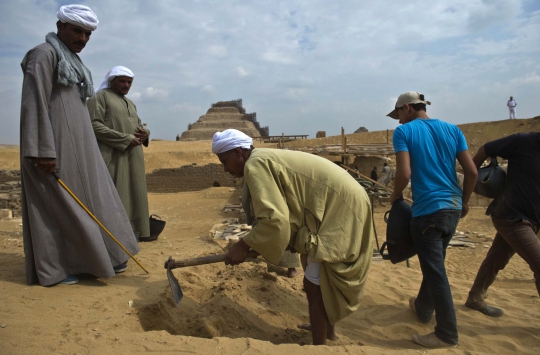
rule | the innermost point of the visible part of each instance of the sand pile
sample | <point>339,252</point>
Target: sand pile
<point>246,309</point>
<point>230,303</point>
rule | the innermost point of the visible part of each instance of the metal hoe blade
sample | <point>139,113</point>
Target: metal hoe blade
<point>172,264</point>
<point>175,287</point>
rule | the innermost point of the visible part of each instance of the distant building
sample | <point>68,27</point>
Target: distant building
<point>224,115</point>
<point>361,130</point>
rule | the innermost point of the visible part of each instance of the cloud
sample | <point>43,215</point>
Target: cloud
<point>150,94</point>
<point>296,93</point>
<point>208,89</point>
<point>481,47</point>
<point>186,107</point>
<point>529,79</point>
<point>296,63</point>
<point>217,51</point>
<point>241,72</point>
<point>488,13</point>
<point>277,57</point>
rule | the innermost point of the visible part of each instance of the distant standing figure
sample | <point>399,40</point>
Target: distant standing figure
<point>512,107</point>
<point>385,169</point>
<point>374,174</point>
<point>120,134</point>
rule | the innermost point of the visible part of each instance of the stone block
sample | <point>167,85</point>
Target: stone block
<point>6,213</point>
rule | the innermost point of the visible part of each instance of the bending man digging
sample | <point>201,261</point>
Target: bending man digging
<point>308,205</point>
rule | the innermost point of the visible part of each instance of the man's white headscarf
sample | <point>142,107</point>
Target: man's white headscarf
<point>78,15</point>
<point>230,139</point>
<point>113,73</point>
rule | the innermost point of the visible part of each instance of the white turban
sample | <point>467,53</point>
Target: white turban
<point>230,139</point>
<point>78,15</point>
<point>113,73</point>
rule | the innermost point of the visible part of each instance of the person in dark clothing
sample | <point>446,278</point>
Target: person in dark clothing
<point>515,214</point>
<point>374,174</point>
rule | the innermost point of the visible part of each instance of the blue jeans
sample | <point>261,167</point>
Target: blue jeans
<point>431,234</point>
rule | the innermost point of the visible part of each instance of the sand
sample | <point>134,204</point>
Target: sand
<point>244,309</point>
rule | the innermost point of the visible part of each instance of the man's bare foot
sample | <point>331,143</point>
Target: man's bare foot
<point>330,335</point>
<point>292,272</point>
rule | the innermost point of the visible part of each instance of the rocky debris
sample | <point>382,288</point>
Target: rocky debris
<point>463,244</point>
<point>6,213</point>
<point>270,276</point>
<point>229,231</point>
<point>230,208</point>
<point>10,192</point>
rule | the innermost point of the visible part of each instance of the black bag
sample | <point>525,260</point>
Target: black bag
<point>156,227</point>
<point>398,233</point>
<point>491,180</point>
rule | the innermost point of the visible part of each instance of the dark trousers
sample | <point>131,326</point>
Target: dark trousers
<point>513,236</point>
<point>431,235</point>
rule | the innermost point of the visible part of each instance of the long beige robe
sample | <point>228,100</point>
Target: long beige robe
<point>60,238</point>
<point>115,120</point>
<point>315,206</point>
<point>288,260</point>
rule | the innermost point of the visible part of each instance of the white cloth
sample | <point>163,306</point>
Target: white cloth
<point>313,272</point>
<point>230,139</point>
<point>512,112</point>
<point>78,15</point>
<point>113,73</point>
<point>70,68</point>
<point>511,103</point>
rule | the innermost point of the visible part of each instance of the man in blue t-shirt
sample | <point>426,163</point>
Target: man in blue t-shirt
<point>426,151</point>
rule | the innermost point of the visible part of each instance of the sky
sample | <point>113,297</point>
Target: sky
<point>302,65</point>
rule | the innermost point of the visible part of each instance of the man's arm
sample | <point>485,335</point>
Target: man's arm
<point>403,174</point>
<point>272,232</point>
<point>97,107</point>
<point>470,174</point>
<point>37,136</point>
<point>479,157</point>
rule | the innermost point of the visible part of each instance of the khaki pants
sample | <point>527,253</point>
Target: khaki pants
<point>513,236</point>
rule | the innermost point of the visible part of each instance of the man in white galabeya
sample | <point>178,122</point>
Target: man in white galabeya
<point>121,135</point>
<point>60,239</point>
<point>512,107</point>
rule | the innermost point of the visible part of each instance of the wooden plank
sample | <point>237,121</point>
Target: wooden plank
<point>373,181</point>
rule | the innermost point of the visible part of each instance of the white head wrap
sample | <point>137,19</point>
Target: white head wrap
<point>78,15</point>
<point>230,139</point>
<point>113,73</point>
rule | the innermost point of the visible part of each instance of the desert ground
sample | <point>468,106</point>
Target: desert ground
<point>251,308</point>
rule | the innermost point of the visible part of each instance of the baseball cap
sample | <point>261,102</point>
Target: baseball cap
<point>409,97</point>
